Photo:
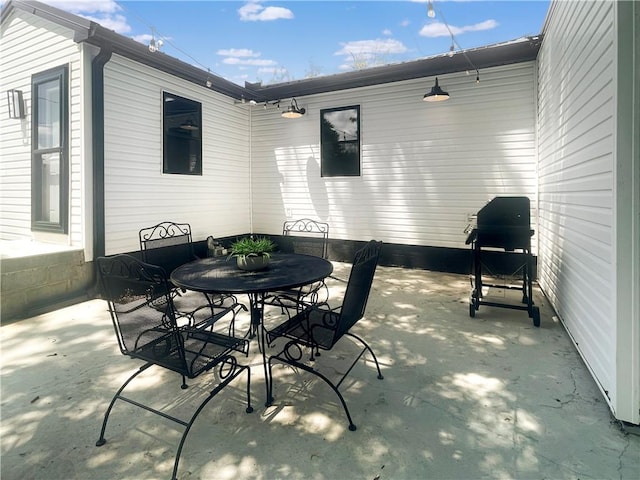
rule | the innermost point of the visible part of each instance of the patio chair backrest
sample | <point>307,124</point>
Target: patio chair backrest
<point>132,288</point>
<point>167,244</point>
<point>319,327</point>
<point>306,236</point>
<point>357,293</point>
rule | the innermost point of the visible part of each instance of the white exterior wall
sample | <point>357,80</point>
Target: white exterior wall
<point>424,166</point>
<point>137,193</point>
<point>29,45</point>
<point>578,197</point>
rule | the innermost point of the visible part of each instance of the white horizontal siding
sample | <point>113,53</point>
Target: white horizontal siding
<point>576,178</point>
<point>137,193</point>
<point>30,45</point>
<point>425,166</point>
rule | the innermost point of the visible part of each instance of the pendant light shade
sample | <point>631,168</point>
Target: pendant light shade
<point>436,94</point>
<point>293,111</point>
<point>188,125</point>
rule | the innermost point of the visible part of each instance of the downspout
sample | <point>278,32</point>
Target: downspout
<point>250,172</point>
<point>97,122</point>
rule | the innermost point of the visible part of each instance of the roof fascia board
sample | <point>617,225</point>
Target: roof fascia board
<point>484,57</point>
<point>129,48</point>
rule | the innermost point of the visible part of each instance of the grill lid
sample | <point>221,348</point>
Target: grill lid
<point>504,222</point>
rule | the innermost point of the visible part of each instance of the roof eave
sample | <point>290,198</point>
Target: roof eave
<point>129,48</point>
<point>522,50</point>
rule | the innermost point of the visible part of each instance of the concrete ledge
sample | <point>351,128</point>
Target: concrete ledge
<point>39,283</point>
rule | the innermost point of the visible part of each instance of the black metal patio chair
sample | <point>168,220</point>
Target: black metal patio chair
<point>146,333</point>
<point>307,237</point>
<point>318,327</point>
<point>170,245</point>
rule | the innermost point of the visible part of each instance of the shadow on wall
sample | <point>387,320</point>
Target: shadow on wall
<point>317,190</point>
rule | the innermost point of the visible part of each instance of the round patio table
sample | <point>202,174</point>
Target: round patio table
<point>221,275</point>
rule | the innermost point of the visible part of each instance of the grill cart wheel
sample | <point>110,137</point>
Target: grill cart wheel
<point>536,316</point>
<point>474,302</point>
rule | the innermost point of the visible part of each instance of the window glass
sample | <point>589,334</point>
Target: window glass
<point>50,186</point>
<point>49,155</point>
<point>49,114</point>
<point>340,141</point>
<point>182,125</point>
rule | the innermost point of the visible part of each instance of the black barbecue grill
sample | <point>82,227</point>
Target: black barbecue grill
<point>503,223</point>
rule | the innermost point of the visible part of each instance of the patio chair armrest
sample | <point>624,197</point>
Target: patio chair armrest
<point>207,315</point>
<point>226,342</point>
<point>314,326</point>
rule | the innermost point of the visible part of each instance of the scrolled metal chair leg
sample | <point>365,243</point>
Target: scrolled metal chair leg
<point>101,440</point>
<point>228,370</point>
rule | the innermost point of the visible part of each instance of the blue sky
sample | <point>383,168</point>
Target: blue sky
<point>275,41</point>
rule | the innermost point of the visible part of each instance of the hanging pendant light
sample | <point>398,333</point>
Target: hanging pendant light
<point>293,111</point>
<point>436,94</point>
<point>188,125</point>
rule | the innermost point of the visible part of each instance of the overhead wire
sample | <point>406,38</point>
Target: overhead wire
<point>168,41</point>
<point>164,38</point>
<point>454,41</point>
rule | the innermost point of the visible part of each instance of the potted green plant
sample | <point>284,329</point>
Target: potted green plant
<point>252,253</point>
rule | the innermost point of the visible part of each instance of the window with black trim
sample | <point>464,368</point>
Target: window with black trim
<point>182,137</point>
<point>340,141</point>
<point>49,150</point>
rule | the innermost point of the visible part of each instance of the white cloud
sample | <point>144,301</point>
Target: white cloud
<point>253,11</point>
<point>486,25</point>
<point>386,32</point>
<point>117,23</point>
<point>273,70</point>
<point>86,6</point>
<point>439,29</point>
<point>435,29</point>
<point>238,52</point>
<point>252,61</point>
<point>371,48</point>
<point>104,12</point>
<point>244,57</point>
<point>144,38</point>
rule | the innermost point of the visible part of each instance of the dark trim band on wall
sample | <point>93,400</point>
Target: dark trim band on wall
<point>437,259</point>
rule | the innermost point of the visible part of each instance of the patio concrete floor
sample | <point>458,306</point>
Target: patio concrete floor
<point>462,398</point>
